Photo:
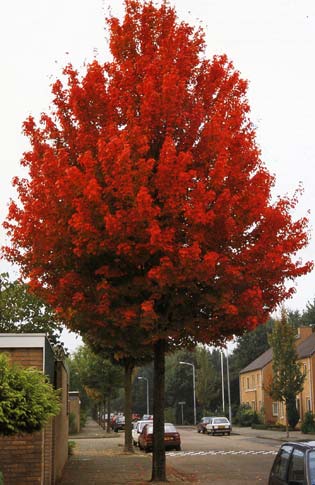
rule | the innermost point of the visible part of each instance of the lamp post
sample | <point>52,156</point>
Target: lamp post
<point>228,384</point>
<point>145,379</point>
<point>194,388</point>
<point>222,380</point>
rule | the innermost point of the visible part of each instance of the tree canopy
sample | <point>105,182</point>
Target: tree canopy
<point>147,204</point>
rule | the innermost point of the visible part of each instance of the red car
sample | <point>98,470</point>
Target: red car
<point>171,437</point>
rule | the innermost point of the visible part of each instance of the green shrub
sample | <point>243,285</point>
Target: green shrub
<point>293,414</point>
<point>72,423</point>
<point>27,399</point>
<point>308,424</point>
<point>246,416</point>
<point>71,446</point>
<point>83,417</point>
<point>1,479</point>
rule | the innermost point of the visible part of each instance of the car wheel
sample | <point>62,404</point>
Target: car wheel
<point>229,434</point>
<point>134,443</point>
<point>178,448</point>
<point>213,433</point>
<point>198,430</point>
<point>203,431</point>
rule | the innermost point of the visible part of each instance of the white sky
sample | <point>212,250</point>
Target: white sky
<point>271,43</point>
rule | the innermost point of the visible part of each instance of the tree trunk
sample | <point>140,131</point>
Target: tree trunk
<point>287,419</point>
<point>108,429</point>
<point>159,459</point>
<point>128,406</point>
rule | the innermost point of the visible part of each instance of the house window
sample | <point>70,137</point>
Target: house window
<point>253,380</point>
<point>308,404</point>
<point>259,405</point>
<point>254,405</point>
<point>304,369</point>
<point>258,379</point>
<point>275,408</point>
<point>298,407</point>
<point>247,382</point>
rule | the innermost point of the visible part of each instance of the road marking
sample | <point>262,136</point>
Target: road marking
<point>221,452</point>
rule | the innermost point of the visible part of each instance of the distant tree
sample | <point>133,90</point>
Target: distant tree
<point>308,315</point>
<point>27,399</point>
<point>205,378</point>
<point>100,377</point>
<point>287,379</point>
<point>21,311</point>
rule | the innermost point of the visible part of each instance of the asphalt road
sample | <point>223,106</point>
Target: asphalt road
<point>235,459</point>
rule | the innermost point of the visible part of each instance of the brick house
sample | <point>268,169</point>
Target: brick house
<point>256,376</point>
<point>36,458</point>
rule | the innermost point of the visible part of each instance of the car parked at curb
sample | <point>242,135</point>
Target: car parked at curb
<point>294,464</point>
<point>219,425</point>
<point>118,424</point>
<point>137,428</point>
<point>201,426</point>
<point>171,437</point>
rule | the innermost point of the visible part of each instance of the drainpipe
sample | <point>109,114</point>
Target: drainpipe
<point>311,382</point>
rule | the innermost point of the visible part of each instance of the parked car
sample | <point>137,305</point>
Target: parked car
<point>118,424</point>
<point>171,437</point>
<point>220,425</point>
<point>201,426</point>
<point>294,464</point>
<point>137,428</point>
<point>147,417</point>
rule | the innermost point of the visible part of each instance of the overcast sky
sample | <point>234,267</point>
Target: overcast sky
<point>270,42</point>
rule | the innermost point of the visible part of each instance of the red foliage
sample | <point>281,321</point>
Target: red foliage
<point>147,203</point>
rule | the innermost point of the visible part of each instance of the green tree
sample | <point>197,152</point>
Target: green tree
<point>27,399</point>
<point>308,315</point>
<point>23,312</point>
<point>99,377</point>
<point>288,379</point>
<point>205,378</point>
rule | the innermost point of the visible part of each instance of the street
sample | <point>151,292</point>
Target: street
<point>235,459</point>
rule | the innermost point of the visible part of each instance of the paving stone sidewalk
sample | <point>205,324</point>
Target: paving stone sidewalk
<point>99,458</point>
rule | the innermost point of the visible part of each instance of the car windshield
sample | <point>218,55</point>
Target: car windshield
<point>311,465</point>
<point>206,419</point>
<point>220,420</point>
<point>168,428</point>
<point>141,425</point>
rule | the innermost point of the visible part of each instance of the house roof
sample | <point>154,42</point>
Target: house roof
<point>259,363</point>
<point>304,349</point>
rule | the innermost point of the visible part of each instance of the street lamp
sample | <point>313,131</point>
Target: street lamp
<point>145,379</point>
<point>194,388</point>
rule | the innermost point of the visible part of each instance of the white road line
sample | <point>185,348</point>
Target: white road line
<point>221,452</point>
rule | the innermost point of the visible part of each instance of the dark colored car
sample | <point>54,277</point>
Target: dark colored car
<point>119,424</point>
<point>171,437</point>
<point>201,427</point>
<point>294,464</point>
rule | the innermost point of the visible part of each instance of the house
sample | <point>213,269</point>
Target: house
<point>255,378</point>
<point>36,458</point>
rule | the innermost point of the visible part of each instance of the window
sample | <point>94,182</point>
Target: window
<point>308,404</point>
<point>254,405</point>
<point>258,379</point>
<point>259,406</point>
<point>311,464</point>
<point>253,381</point>
<point>280,466</point>
<point>296,469</point>
<point>304,369</point>
<point>247,382</point>
<point>298,407</point>
<point>275,409</point>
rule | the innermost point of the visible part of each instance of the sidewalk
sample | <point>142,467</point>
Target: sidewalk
<point>99,459</point>
<point>273,435</point>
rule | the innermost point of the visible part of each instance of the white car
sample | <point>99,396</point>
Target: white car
<point>137,428</point>
<point>220,425</point>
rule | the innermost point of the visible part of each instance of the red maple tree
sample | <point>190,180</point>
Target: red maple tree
<point>147,204</point>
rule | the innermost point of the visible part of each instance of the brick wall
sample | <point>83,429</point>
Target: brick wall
<point>21,459</point>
